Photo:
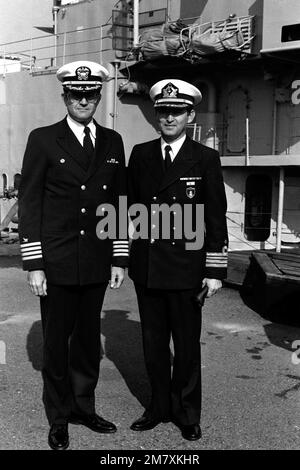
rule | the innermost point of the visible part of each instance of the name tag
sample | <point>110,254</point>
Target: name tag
<point>191,178</point>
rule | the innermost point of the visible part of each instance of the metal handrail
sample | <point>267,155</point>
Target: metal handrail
<point>242,24</point>
<point>58,34</point>
<point>32,53</point>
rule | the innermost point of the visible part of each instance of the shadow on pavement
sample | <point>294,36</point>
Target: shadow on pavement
<point>123,346</point>
<point>284,326</point>
<point>282,335</point>
<point>10,262</point>
<point>34,345</point>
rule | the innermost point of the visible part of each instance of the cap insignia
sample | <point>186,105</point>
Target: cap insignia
<point>83,73</point>
<point>169,91</point>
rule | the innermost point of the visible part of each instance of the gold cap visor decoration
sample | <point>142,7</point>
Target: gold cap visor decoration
<point>82,75</point>
<point>176,93</point>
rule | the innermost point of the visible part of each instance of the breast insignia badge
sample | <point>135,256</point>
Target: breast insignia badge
<point>190,192</point>
<point>112,160</point>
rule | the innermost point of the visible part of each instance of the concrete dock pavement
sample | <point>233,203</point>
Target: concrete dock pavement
<point>251,376</point>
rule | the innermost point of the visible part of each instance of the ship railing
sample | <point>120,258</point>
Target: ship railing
<point>216,36</point>
<point>53,50</point>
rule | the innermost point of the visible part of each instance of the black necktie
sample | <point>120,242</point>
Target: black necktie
<point>87,142</point>
<point>168,160</point>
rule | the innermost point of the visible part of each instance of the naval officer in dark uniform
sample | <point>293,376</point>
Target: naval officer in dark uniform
<point>69,169</point>
<point>168,273</point>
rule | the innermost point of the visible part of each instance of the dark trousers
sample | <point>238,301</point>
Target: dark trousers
<point>71,331</point>
<point>164,313</point>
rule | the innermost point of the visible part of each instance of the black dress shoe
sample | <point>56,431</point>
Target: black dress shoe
<point>94,422</point>
<point>58,438</point>
<point>145,423</point>
<point>191,432</point>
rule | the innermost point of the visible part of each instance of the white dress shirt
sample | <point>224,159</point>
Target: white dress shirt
<point>78,129</point>
<point>175,146</point>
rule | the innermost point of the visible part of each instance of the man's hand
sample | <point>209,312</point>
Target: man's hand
<point>37,282</point>
<point>213,285</point>
<point>117,277</point>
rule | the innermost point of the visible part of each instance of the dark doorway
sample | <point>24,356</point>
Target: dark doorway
<point>258,207</point>
<point>17,181</point>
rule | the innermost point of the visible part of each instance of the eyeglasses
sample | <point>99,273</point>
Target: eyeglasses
<point>90,96</point>
<point>167,110</point>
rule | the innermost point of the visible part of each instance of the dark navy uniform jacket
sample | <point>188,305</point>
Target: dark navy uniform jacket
<point>58,199</point>
<point>195,177</point>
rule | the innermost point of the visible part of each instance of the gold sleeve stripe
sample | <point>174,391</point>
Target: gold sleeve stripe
<point>31,244</point>
<point>25,258</point>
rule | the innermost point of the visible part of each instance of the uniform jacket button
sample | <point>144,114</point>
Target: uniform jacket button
<point>83,210</point>
<point>82,232</point>
<point>83,187</point>
<point>104,186</point>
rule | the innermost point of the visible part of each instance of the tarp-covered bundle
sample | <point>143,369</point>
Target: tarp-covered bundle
<point>167,40</point>
<point>211,43</point>
<point>197,40</point>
